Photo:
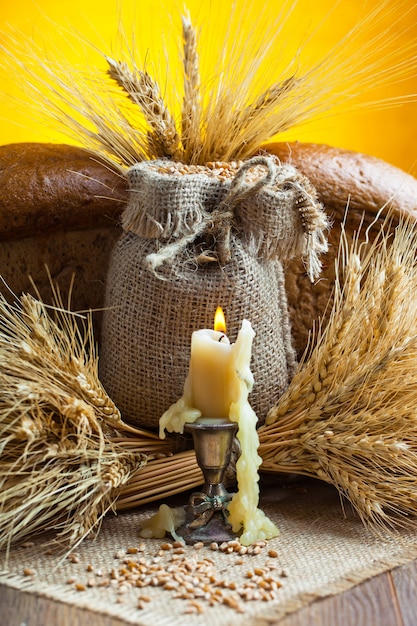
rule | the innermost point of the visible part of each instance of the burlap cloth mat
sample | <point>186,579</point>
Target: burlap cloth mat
<point>322,551</point>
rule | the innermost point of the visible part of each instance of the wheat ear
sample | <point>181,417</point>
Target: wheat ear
<point>191,108</point>
<point>163,138</point>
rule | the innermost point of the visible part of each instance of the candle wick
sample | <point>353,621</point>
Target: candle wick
<point>221,337</point>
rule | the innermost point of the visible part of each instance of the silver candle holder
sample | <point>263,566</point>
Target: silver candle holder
<point>206,512</point>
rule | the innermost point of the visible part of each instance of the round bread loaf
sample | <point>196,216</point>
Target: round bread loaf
<point>59,209</point>
<point>342,177</point>
<point>60,206</point>
<point>48,187</point>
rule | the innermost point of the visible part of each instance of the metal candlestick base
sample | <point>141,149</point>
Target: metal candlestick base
<point>206,512</point>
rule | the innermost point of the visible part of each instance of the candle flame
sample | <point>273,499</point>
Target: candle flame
<point>219,320</point>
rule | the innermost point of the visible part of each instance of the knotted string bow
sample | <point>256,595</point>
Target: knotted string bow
<point>203,508</point>
<point>219,221</point>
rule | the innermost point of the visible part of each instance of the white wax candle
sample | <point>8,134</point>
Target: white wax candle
<point>211,373</point>
<point>209,386</point>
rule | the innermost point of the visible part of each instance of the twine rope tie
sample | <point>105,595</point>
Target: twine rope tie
<point>219,221</point>
<point>204,506</point>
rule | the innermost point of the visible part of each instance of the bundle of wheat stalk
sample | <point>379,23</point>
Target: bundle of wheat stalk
<point>64,450</point>
<point>349,416</point>
<point>234,96</point>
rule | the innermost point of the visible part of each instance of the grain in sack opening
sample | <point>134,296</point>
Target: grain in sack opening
<point>197,237</point>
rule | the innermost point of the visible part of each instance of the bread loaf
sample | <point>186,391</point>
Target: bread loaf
<point>47,187</point>
<point>353,187</point>
<point>60,206</point>
<point>342,176</point>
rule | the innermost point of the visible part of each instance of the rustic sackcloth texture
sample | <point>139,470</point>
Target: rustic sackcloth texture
<point>321,550</point>
<point>193,242</point>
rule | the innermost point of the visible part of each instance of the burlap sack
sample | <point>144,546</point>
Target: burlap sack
<point>192,242</point>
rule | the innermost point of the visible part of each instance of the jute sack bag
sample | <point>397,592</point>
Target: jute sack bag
<point>198,237</point>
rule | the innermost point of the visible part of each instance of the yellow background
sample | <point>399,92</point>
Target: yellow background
<point>390,134</point>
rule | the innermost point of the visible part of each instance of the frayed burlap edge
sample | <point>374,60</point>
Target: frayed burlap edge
<point>350,580</point>
<point>382,556</point>
<point>264,617</point>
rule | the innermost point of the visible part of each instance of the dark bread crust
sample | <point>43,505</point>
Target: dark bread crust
<point>47,187</point>
<point>342,176</point>
<point>352,187</point>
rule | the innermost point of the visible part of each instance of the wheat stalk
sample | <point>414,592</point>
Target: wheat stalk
<point>161,478</point>
<point>272,99</point>
<point>349,417</point>
<point>191,108</point>
<point>75,102</point>
<point>237,125</point>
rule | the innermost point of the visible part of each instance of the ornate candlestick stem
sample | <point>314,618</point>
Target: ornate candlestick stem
<point>206,512</point>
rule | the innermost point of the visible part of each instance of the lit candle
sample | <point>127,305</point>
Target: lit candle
<point>212,369</point>
<point>217,386</point>
<point>211,380</point>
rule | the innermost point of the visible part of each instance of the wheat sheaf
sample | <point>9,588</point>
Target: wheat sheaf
<point>62,458</point>
<point>349,416</point>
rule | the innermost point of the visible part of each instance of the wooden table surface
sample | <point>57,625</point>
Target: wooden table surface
<point>389,599</point>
